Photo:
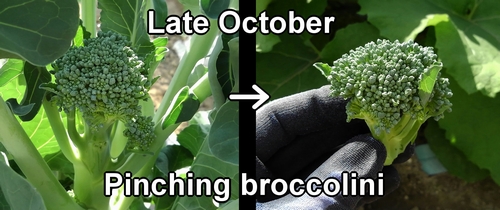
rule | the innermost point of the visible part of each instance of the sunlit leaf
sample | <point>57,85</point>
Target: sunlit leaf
<point>38,129</point>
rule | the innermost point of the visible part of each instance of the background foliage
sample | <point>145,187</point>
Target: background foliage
<point>465,35</point>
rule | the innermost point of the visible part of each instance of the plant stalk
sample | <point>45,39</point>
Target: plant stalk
<point>89,174</point>
<point>201,45</point>
<point>27,157</point>
<point>202,88</point>
<point>89,16</point>
<point>67,147</point>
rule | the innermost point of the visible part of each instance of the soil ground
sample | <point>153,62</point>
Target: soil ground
<point>418,191</point>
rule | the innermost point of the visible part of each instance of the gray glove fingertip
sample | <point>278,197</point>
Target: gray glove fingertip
<point>391,183</point>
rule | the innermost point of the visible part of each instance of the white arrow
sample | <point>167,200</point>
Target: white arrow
<point>261,96</point>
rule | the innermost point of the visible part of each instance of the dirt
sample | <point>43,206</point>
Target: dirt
<point>417,191</point>
<point>420,191</point>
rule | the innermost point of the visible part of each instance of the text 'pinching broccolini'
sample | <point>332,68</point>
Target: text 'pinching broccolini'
<point>395,87</point>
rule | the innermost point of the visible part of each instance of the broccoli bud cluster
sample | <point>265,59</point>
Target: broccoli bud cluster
<point>138,132</point>
<point>382,79</point>
<point>104,80</point>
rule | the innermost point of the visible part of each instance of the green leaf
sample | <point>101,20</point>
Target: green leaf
<point>235,204</point>
<point>172,158</point>
<point>191,5</point>
<point>10,70</point>
<point>207,165</point>
<point>3,149</point>
<point>348,38</point>
<point>467,35</point>
<point>224,66</point>
<point>223,138</point>
<point>138,204</point>
<point>117,16</point>
<point>324,68</point>
<point>234,59</point>
<point>196,74</point>
<point>265,43</point>
<point>3,202</point>
<point>38,129</point>
<point>36,30</point>
<point>193,135</point>
<point>213,8</point>
<point>288,68</point>
<point>219,70</point>
<point>33,95</point>
<point>18,109</point>
<point>301,7</point>
<point>472,127</point>
<point>161,12</point>
<point>452,158</point>
<point>427,83</point>
<point>16,192</point>
<point>155,57</point>
<point>60,165</point>
<point>192,138</point>
<point>81,34</point>
<point>184,106</point>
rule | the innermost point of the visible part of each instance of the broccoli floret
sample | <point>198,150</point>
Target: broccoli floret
<point>138,133</point>
<point>383,81</point>
<point>105,81</point>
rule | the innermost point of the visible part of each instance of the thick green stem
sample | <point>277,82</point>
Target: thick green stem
<point>119,141</point>
<point>95,153</point>
<point>122,202</point>
<point>19,145</point>
<point>136,161</point>
<point>201,45</point>
<point>67,147</point>
<point>89,16</point>
<point>397,138</point>
<point>89,188</point>
<point>202,88</point>
<point>75,136</point>
<point>95,158</point>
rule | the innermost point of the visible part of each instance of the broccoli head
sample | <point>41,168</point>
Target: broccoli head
<point>104,80</point>
<point>395,87</point>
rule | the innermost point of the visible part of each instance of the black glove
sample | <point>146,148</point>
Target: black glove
<point>306,135</point>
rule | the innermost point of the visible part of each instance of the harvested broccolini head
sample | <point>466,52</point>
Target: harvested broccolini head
<point>104,81</point>
<point>395,87</point>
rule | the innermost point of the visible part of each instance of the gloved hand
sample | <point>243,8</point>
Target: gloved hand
<point>306,135</point>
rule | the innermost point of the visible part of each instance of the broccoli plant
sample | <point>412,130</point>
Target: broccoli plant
<point>85,108</point>
<point>395,87</point>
